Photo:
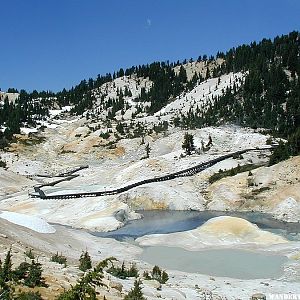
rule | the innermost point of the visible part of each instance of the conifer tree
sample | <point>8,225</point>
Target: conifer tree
<point>136,292</point>
<point>6,272</point>
<point>85,261</point>
<point>188,143</point>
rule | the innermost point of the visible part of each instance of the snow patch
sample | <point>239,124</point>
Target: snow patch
<point>33,223</point>
<point>26,130</point>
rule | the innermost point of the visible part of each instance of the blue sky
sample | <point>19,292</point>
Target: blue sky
<point>52,44</point>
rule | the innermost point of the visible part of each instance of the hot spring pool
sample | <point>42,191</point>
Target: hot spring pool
<point>233,263</point>
<point>161,221</point>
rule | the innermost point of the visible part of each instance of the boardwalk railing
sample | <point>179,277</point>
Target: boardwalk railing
<point>183,173</point>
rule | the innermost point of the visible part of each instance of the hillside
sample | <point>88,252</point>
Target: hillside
<point>143,123</point>
<point>130,126</point>
<point>262,91</point>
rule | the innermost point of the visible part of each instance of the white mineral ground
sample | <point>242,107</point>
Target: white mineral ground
<point>216,232</point>
<point>274,190</point>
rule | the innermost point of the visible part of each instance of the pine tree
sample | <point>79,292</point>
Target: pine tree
<point>6,272</point>
<point>164,277</point>
<point>136,292</point>
<point>85,261</point>
<point>182,74</point>
<point>5,291</point>
<point>84,289</point>
<point>34,275</point>
<point>281,152</point>
<point>188,143</point>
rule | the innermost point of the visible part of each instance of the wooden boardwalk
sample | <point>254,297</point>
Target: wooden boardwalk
<point>183,173</point>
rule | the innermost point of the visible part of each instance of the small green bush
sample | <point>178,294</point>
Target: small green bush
<point>104,135</point>
<point>146,275</point>
<point>2,164</point>
<point>122,272</point>
<point>29,296</point>
<point>157,274</point>
<point>60,259</point>
<point>29,254</point>
<point>233,171</point>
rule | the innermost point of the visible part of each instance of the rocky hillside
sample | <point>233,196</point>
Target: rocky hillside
<point>253,85</point>
<point>143,123</point>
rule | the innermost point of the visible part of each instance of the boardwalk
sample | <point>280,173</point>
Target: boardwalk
<point>183,173</point>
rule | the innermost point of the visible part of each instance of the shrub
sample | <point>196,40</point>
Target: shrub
<point>269,141</point>
<point>188,143</point>
<point>29,296</point>
<point>104,135</point>
<point>122,272</point>
<point>60,259</point>
<point>29,254</point>
<point>164,277</point>
<point>146,275</point>
<point>120,128</point>
<point>250,181</point>
<point>2,164</point>
<point>133,271</point>
<point>157,274</point>
<point>233,171</point>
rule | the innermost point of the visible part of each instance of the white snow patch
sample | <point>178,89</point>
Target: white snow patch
<point>66,108</point>
<point>54,112</point>
<point>49,125</point>
<point>26,130</point>
<point>33,223</point>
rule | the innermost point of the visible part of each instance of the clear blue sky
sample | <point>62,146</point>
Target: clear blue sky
<point>52,44</point>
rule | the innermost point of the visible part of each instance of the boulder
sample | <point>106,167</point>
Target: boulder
<point>153,283</point>
<point>258,296</point>
<point>116,285</point>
